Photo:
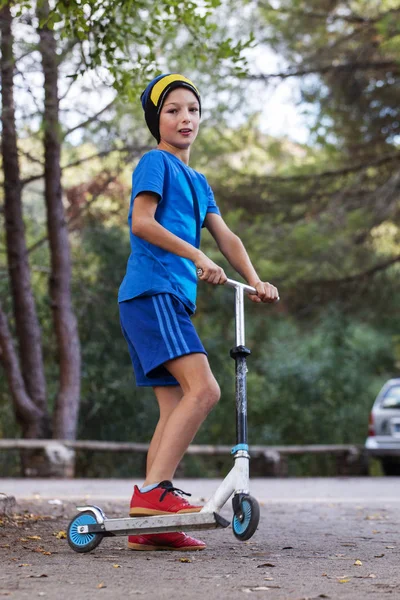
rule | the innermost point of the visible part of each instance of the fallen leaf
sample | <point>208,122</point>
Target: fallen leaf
<point>274,587</point>
<point>117,566</point>
<point>61,535</point>
<point>25,565</point>
<point>268,578</point>
<point>351,544</point>
<point>371,576</point>
<point>101,585</point>
<point>41,550</point>
<point>265,565</point>
<point>358,562</point>
<point>379,555</point>
<point>390,547</point>
<point>185,560</point>
<point>33,537</point>
<point>344,580</point>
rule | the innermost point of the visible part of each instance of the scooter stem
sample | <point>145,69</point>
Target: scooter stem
<point>239,353</point>
<point>240,289</point>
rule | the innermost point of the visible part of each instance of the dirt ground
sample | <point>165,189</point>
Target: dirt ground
<point>301,551</point>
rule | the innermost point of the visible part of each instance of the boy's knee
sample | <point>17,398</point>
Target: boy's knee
<point>209,394</point>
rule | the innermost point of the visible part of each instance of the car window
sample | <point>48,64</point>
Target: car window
<point>392,398</point>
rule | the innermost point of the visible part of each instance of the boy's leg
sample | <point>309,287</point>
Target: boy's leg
<point>168,398</point>
<point>200,394</point>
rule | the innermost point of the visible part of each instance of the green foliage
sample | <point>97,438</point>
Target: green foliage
<point>321,381</point>
<point>351,54</point>
<point>309,382</point>
<point>110,404</point>
<point>320,221</point>
<point>124,38</point>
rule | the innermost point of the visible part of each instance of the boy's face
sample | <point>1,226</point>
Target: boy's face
<point>179,118</point>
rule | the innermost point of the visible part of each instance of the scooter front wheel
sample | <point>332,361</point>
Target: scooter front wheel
<point>83,542</point>
<point>246,518</point>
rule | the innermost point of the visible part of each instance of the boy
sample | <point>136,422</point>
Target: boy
<point>170,202</point>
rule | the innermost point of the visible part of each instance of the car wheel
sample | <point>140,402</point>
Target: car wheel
<point>390,467</point>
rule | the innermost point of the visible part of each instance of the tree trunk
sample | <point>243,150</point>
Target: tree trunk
<point>25,410</point>
<point>25,374</point>
<point>34,423</point>
<point>65,325</point>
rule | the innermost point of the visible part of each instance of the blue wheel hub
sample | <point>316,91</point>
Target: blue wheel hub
<point>81,539</point>
<point>240,525</point>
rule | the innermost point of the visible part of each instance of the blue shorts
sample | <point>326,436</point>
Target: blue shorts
<point>157,329</point>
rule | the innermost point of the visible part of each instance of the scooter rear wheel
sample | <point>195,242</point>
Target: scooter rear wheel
<point>83,542</point>
<point>246,518</point>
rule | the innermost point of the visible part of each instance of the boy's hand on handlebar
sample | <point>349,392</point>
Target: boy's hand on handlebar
<point>266,292</point>
<point>209,271</point>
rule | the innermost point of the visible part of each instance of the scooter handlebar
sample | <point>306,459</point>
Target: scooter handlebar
<point>248,289</point>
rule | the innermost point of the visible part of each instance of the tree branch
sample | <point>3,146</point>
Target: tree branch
<point>69,86</point>
<point>30,157</point>
<point>358,276</point>
<point>25,54</point>
<point>352,18</point>
<point>77,214</point>
<point>80,161</point>
<point>323,69</point>
<point>70,45</point>
<point>28,88</point>
<point>335,172</point>
<point>90,119</point>
<point>23,405</point>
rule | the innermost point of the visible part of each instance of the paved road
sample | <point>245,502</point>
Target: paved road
<point>318,538</point>
<point>271,491</point>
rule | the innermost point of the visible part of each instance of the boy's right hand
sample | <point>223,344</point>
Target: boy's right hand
<point>209,271</point>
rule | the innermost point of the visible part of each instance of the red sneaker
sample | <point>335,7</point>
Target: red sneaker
<point>165,541</point>
<point>162,500</point>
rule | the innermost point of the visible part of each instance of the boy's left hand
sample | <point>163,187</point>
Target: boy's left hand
<point>266,292</point>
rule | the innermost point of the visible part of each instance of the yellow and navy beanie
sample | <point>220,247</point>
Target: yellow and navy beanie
<point>155,93</point>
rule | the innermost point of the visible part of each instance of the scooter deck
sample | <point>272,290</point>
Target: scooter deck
<point>155,524</point>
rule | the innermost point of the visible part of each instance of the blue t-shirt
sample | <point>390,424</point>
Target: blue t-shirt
<point>150,269</point>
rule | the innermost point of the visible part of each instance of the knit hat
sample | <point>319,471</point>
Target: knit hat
<point>155,93</point>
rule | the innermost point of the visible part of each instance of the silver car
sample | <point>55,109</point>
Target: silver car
<point>384,428</point>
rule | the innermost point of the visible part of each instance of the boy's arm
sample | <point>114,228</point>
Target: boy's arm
<point>145,226</point>
<point>234,251</point>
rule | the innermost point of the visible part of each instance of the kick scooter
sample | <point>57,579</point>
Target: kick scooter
<point>90,525</point>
